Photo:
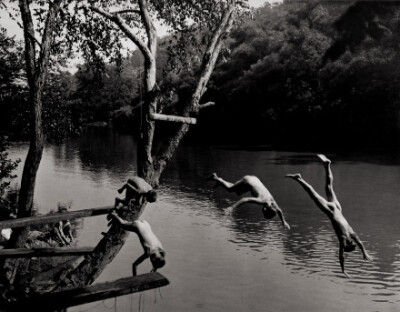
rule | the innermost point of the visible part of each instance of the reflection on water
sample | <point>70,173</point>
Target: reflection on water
<point>220,263</point>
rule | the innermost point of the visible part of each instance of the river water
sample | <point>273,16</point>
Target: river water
<point>242,262</point>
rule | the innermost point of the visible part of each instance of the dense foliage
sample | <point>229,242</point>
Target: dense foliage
<point>10,84</point>
<point>57,98</point>
<point>272,84</point>
<point>276,86</point>
<point>286,77</point>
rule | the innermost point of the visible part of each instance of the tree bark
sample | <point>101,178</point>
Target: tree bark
<point>149,52</point>
<point>36,74</point>
<point>145,144</point>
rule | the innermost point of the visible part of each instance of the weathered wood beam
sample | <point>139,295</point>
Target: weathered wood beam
<point>187,120</point>
<point>44,252</point>
<point>81,295</point>
<point>55,217</point>
<point>208,104</point>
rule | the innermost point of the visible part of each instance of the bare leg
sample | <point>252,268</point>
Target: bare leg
<point>330,193</point>
<point>321,202</point>
<point>227,185</point>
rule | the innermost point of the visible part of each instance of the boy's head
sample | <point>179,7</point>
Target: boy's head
<point>157,259</point>
<point>268,212</point>
<point>151,196</point>
<point>350,245</point>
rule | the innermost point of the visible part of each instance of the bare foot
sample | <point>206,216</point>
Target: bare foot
<point>295,176</point>
<point>212,177</point>
<point>324,159</point>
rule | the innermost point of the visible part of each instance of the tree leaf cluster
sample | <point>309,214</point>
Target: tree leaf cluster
<point>275,87</point>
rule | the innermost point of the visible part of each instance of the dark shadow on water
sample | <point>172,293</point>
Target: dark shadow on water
<point>373,155</point>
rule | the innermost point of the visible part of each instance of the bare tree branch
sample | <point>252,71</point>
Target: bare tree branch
<point>126,11</point>
<point>208,104</point>
<point>125,29</point>
<point>48,32</point>
<point>30,54</point>
<point>148,23</point>
<point>19,24</point>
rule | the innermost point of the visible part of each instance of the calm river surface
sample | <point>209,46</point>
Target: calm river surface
<point>242,262</point>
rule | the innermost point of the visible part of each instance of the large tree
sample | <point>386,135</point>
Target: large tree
<point>102,24</point>
<point>39,28</point>
<point>37,62</point>
<point>136,22</point>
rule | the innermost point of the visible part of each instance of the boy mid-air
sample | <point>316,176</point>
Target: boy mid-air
<point>149,241</point>
<point>260,195</point>
<point>137,191</point>
<point>331,207</point>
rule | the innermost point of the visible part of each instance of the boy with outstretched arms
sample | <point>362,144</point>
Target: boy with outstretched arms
<point>332,208</point>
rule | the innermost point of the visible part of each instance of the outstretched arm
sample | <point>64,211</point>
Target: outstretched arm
<point>280,215</point>
<point>137,262</point>
<point>360,244</point>
<point>128,226</point>
<point>341,260</point>
<point>242,201</point>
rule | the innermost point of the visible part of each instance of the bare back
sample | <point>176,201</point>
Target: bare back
<point>140,184</point>
<point>146,236</point>
<point>257,189</point>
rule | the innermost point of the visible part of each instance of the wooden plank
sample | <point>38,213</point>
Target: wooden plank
<point>188,120</point>
<point>44,252</point>
<point>54,217</point>
<point>81,295</point>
